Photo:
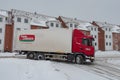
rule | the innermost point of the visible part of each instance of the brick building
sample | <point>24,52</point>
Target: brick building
<point>107,36</point>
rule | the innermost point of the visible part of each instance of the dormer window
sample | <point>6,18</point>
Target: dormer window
<point>106,29</point>
<point>1,19</point>
<point>52,24</point>
<point>71,25</point>
<point>25,20</point>
<point>18,19</point>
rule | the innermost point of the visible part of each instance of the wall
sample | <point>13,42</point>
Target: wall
<point>108,38</point>
<point>8,38</point>
<point>116,41</point>
<point>94,33</point>
<point>2,26</point>
<point>20,26</point>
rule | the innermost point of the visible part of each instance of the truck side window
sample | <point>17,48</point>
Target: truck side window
<point>85,41</point>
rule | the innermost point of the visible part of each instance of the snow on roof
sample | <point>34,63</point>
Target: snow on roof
<point>4,13</point>
<point>41,21</point>
<point>104,24</point>
<point>38,22</point>
<point>84,26</point>
<point>116,29</point>
<point>66,19</point>
<point>32,15</point>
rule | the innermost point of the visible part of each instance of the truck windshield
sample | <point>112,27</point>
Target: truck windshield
<point>88,42</point>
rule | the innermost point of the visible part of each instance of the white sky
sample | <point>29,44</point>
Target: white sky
<point>88,10</point>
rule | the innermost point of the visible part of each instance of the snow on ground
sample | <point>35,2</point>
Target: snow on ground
<point>25,69</point>
<point>7,54</point>
<point>107,53</point>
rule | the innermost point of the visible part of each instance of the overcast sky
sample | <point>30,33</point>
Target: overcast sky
<point>88,10</point>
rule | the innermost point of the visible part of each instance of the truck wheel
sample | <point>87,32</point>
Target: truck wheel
<point>40,57</point>
<point>92,60</point>
<point>30,56</point>
<point>79,59</point>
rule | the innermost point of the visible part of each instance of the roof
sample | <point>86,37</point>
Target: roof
<point>38,22</point>
<point>84,26</point>
<point>104,24</point>
<point>32,15</point>
<point>4,13</point>
<point>74,20</point>
<point>116,29</point>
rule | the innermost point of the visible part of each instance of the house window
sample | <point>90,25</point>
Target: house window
<point>0,41</point>
<point>106,36</point>
<point>109,29</point>
<point>1,19</point>
<point>52,24</point>
<point>0,30</point>
<point>95,44</point>
<point>71,25</point>
<point>75,26</point>
<point>91,28</point>
<point>109,43</point>
<point>95,36</point>
<point>95,29</point>
<point>25,20</point>
<point>106,43</point>
<point>18,28</point>
<point>18,19</point>
<point>106,29</point>
<point>57,25</point>
<point>109,36</point>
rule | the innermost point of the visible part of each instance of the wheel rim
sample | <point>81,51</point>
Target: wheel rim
<point>79,59</point>
<point>31,56</point>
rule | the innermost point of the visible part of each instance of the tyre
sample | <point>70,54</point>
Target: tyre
<point>79,59</point>
<point>40,57</point>
<point>30,56</point>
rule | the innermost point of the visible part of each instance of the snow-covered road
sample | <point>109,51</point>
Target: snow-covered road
<point>105,67</point>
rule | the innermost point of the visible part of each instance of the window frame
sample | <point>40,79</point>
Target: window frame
<point>0,30</point>
<point>0,41</point>
<point>1,19</point>
<point>52,24</point>
<point>25,20</point>
<point>19,19</point>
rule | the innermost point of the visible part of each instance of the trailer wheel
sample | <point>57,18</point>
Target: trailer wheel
<point>30,56</point>
<point>79,59</point>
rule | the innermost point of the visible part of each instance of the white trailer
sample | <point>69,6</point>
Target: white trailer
<point>56,41</point>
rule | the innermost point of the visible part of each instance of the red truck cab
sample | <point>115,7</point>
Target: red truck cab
<point>83,45</point>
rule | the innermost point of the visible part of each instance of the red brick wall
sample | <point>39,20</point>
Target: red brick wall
<point>8,38</point>
<point>116,41</point>
<point>101,37</point>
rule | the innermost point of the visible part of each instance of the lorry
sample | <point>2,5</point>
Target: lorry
<point>55,44</point>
